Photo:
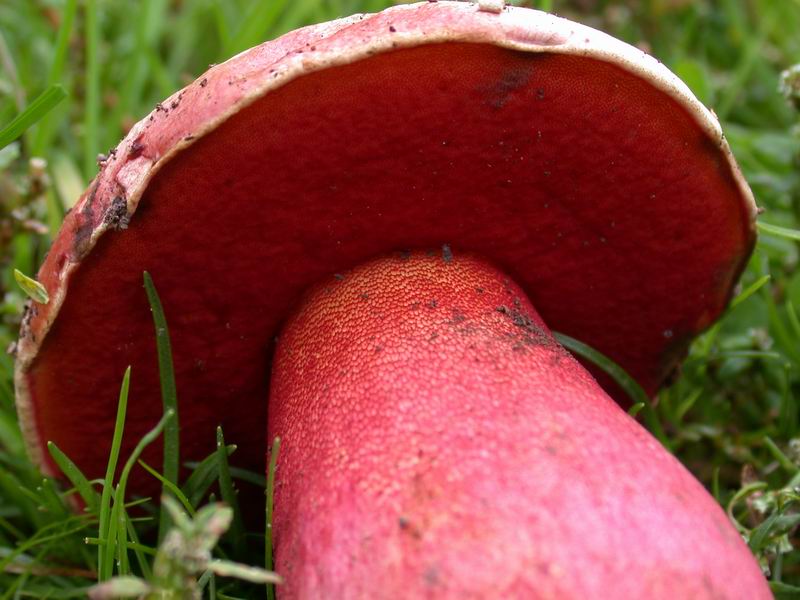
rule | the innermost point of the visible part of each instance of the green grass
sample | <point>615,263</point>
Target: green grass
<point>75,75</point>
<point>169,397</point>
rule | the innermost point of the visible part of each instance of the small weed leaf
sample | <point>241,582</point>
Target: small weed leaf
<point>32,288</point>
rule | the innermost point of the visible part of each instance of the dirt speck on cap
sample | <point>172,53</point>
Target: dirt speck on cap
<point>447,253</point>
<point>117,216</point>
<point>533,334</point>
<point>136,148</point>
<point>514,79</point>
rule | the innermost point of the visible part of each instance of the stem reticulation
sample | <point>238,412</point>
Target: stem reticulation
<point>438,442</point>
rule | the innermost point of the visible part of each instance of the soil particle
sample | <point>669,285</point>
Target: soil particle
<point>136,148</point>
<point>499,94</point>
<point>392,28</point>
<point>27,315</point>
<point>533,334</point>
<point>447,253</point>
<point>88,206</point>
<point>204,82</point>
<point>406,526</point>
<point>81,239</point>
<point>177,101</point>
<point>458,317</point>
<point>431,574</point>
<point>117,216</point>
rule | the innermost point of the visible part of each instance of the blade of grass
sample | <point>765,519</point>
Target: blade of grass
<point>36,110</point>
<point>203,475</point>
<point>45,132</point>
<point>204,580</point>
<point>249,476</point>
<point>104,570</point>
<point>148,22</point>
<point>76,477</point>
<point>10,68</point>
<point>629,385</point>
<point>117,512</point>
<point>139,551</point>
<point>13,491</point>
<point>779,456</point>
<point>794,320</point>
<point>123,564</point>
<point>270,492</point>
<point>91,119</point>
<point>93,541</point>
<point>176,491</point>
<point>634,410</point>
<point>169,395</point>
<point>749,56</point>
<point>229,496</point>
<point>254,25</point>
<point>782,334</point>
<point>783,232</point>
<point>750,290</point>
<point>743,493</point>
<point>91,115</point>
<point>39,538</point>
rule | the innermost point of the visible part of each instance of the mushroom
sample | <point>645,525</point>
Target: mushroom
<point>578,166</point>
<point>437,442</point>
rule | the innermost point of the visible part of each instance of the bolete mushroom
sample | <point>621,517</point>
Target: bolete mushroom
<point>460,452</point>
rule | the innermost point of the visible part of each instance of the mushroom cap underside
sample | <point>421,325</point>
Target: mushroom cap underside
<point>573,162</point>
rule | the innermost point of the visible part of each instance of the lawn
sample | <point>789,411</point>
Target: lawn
<point>81,73</point>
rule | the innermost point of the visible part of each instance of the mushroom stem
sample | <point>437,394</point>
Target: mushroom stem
<point>438,443</point>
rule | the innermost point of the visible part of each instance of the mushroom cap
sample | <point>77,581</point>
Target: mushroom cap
<point>576,163</point>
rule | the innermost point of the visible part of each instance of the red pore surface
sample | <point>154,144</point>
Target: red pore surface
<point>436,442</point>
<point>586,174</point>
